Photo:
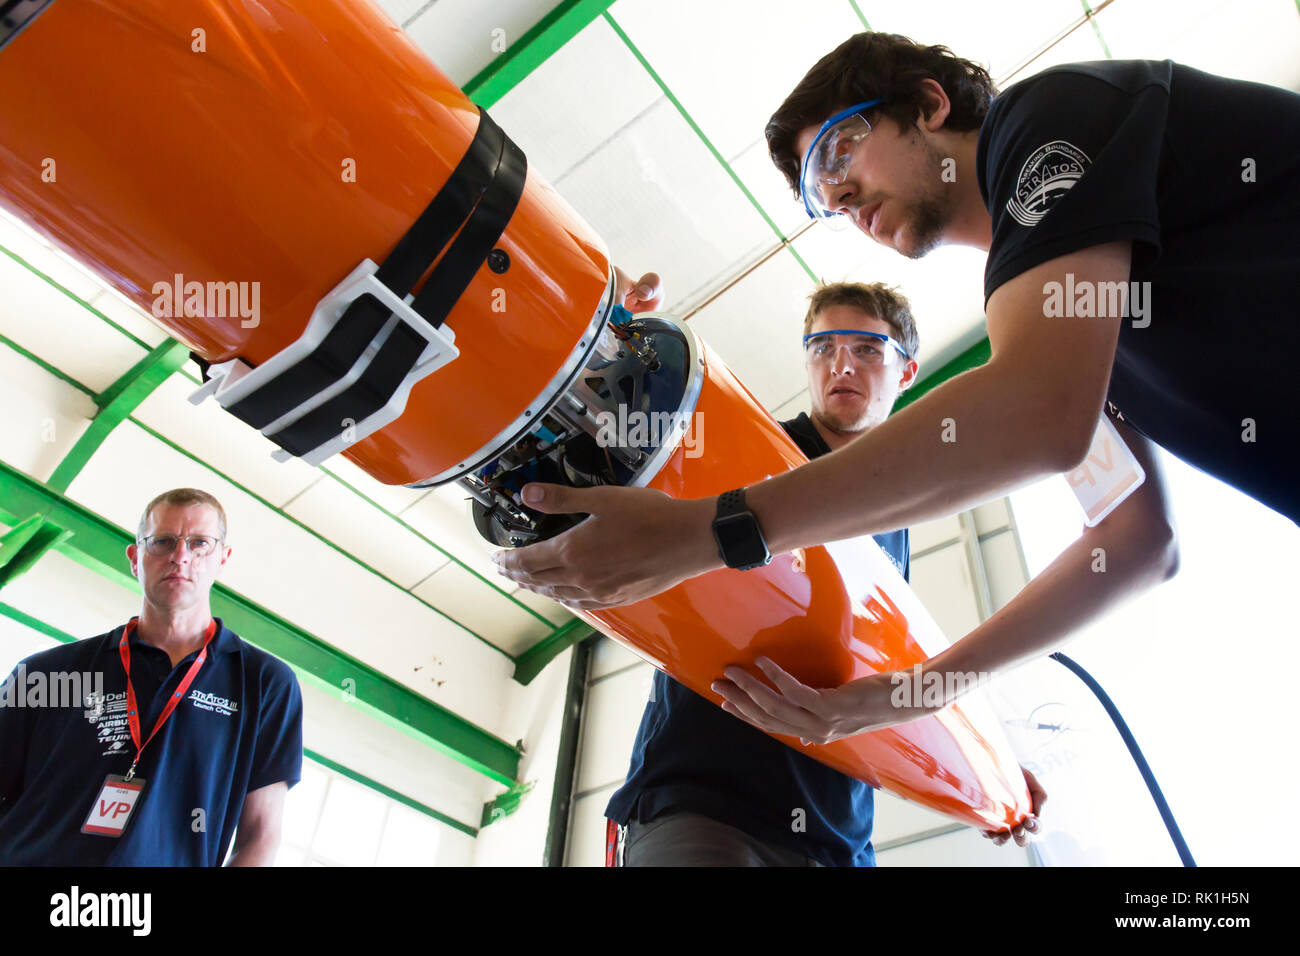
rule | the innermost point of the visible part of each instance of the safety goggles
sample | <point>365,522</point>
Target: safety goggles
<point>868,348</point>
<point>826,164</point>
<point>200,545</point>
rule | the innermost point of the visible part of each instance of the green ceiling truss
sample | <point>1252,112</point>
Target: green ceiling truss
<point>100,545</point>
<point>116,403</point>
<point>22,546</point>
<point>505,804</point>
<point>505,72</point>
<point>532,661</point>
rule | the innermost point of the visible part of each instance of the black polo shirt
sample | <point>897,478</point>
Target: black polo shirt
<point>238,728</point>
<point>692,756</point>
<point>1202,174</point>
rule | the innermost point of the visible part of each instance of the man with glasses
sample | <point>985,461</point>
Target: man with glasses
<point>706,789</point>
<point>190,739</point>
<point>1133,212</point>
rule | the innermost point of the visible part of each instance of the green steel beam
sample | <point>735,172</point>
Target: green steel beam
<point>100,545</point>
<point>532,661</point>
<point>505,804</point>
<point>117,402</point>
<point>973,357</point>
<point>857,10</point>
<point>532,49</point>
<point>1091,14</point>
<point>64,637</point>
<point>22,546</point>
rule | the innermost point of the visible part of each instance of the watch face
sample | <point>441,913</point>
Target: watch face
<point>740,542</point>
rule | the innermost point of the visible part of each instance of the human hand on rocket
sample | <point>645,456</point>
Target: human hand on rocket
<point>646,294</point>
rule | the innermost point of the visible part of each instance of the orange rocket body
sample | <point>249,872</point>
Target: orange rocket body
<point>281,145</point>
<point>167,143</point>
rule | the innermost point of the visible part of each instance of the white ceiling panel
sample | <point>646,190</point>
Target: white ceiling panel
<point>791,409</point>
<point>558,115</point>
<point>129,316</point>
<point>557,614</point>
<point>332,728</point>
<point>17,238</point>
<point>998,34</point>
<point>18,641</point>
<point>755,326</point>
<point>464,36</point>
<point>46,593</point>
<point>896,818</point>
<point>942,581</point>
<point>930,533</point>
<point>1079,46</point>
<point>768,186</point>
<point>43,415</point>
<point>608,655</point>
<point>478,605</point>
<point>448,523</point>
<point>1002,567</point>
<point>403,10</point>
<point>657,196</point>
<point>60,330</point>
<point>732,62</point>
<point>1247,39</point>
<point>613,712</point>
<point>223,442</point>
<point>392,498</point>
<point>365,532</point>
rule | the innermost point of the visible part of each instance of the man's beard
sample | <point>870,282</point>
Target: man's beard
<point>929,216</point>
<point>928,219</point>
<point>860,424</point>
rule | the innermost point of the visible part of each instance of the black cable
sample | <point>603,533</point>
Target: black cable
<point>1143,767</point>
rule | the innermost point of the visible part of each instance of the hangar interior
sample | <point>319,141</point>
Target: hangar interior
<point>451,719</point>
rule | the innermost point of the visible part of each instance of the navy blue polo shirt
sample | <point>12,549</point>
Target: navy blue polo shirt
<point>1202,175</point>
<point>692,756</point>
<point>238,728</point>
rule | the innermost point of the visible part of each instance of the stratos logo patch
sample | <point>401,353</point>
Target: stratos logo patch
<point>1047,175</point>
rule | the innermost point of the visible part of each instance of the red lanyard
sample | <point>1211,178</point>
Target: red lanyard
<point>132,714</point>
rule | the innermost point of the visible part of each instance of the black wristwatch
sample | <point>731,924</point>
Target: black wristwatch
<point>740,539</point>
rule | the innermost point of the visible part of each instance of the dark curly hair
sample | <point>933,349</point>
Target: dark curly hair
<point>871,65</point>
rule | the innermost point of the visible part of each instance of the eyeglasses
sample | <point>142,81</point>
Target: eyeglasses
<point>161,545</point>
<point>868,348</point>
<point>828,159</point>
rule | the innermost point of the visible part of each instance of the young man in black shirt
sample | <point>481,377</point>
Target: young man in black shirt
<point>706,789</point>
<point>1140,220</point>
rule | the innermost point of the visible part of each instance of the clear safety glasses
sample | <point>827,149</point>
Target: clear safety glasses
<point>200,545</point>
<point>826,164</point>
<point>868,348</point>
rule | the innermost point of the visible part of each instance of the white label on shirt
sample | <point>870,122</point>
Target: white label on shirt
<point>1107,476</point>
<point>113,807</point>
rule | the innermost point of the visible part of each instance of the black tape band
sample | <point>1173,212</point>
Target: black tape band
<point>344,344</point>
<point>443,289</point>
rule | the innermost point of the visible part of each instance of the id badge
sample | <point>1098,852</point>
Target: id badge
<point>1108,475</point>
<point>114,806</point>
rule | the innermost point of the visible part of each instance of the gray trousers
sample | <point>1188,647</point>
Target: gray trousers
<point>689,839</point>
